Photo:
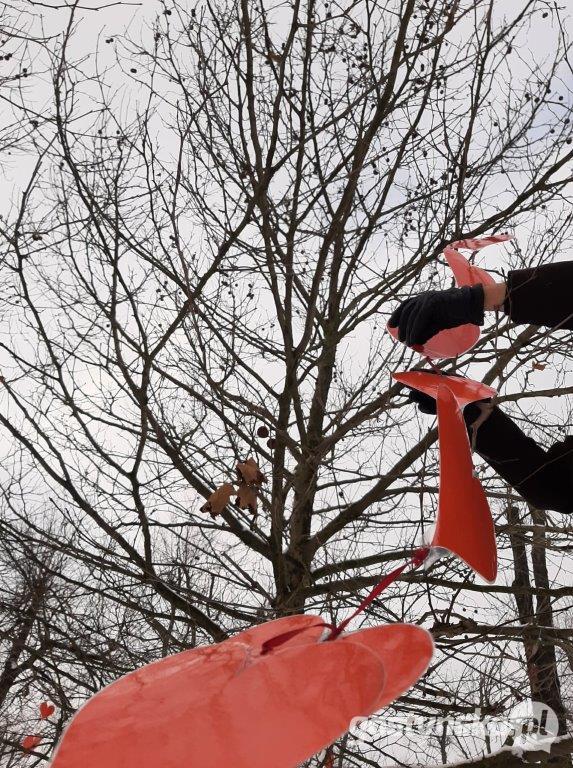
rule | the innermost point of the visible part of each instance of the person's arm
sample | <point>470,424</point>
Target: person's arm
<point>543,478</point>
<point>538,295</point>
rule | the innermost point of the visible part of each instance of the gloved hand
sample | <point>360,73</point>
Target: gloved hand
<point>427,404</point>
<point>421,317</point>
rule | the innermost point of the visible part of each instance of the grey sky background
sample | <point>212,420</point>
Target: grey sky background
<point>97,33</point>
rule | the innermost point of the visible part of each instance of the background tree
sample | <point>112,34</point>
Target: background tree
<point>199,269</point>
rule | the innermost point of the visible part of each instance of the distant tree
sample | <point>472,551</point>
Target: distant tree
<point>199,271</point>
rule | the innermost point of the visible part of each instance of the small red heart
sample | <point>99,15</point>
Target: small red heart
<point>46,710</point>
<point>30,742</point>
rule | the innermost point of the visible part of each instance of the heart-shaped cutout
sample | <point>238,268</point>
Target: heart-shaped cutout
<point>465,390</point>
<point>464,524</point>
<point>46,710</point>
<point>452,342</point>
<point>229,703</point>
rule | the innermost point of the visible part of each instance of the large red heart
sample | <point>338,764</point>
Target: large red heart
<point>229,704</point>
<point>464,524</point>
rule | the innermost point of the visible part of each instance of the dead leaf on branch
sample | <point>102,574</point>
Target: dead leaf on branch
<point>248,472</point>
<point>247,497</point>
<point>218,500</point>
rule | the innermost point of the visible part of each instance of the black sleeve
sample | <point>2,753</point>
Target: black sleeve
<point>541,295</point>
<point>543,478</point>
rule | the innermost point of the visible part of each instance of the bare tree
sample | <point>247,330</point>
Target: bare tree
<point>199,271</point>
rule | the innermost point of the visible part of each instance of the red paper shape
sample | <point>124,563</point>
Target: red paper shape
<point>454,341</point>
<point>305,627</point>
<point>448,343</point>
<point>31,742</point>
<point>228,704</point>
<point>405,650</point>
<point>46,710</point>
<point>464,525</point>
<point>465,390</point>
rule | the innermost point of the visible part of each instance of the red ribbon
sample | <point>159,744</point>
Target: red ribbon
<point>274,642</point>
<point>415,561</point>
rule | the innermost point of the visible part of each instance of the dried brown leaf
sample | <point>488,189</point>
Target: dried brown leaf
<point>249,472</point>
<point>218,500</point>
<point>247,497</point>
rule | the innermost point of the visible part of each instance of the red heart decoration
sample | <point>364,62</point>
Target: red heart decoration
<point>31,742</point>
<point>464,524</point>
<point>230,704</point>
<point>405,651</point>
<point>454,341</point>
<point>46,710</point>
<point>465,390</point>
<point>304,627</point>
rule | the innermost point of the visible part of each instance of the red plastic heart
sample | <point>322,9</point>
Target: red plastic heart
<point>455,341</point>
<point>464,525</point>
<point>227,703</point>
<point>465,390</point>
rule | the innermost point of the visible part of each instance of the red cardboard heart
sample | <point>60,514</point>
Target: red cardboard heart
<point>230,704</point>
<point>464,524</point>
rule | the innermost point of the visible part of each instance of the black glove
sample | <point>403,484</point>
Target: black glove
<point>421,317</point>
<point>427,404</point>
